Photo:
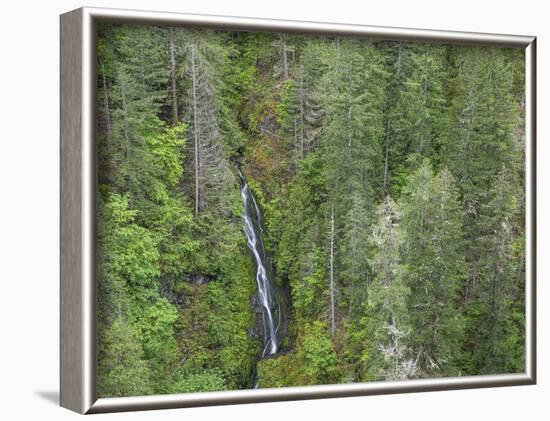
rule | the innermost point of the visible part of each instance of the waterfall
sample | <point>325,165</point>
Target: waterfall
<point>266,293</point>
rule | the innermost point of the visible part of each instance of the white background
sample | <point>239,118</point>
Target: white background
<point>29,211</point>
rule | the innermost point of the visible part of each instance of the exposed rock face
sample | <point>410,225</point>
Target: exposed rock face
<point>198,278</point>
<point>175,297</point>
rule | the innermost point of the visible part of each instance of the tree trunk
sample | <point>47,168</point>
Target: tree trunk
<point>337,63</point>
<point>296,143</point>
<point>399,51</point>
<point>387,153</point>
<point>196,128</point>
<point>332,305</point>
<point>285,58</point>
<point>173,77</point>
<point>126,132</point>
<point>350,106</point>
<point>125,109</point>
<point>142,67</point>
<point>106,105</point>
<point>302,113</point>
<point>424,102</point>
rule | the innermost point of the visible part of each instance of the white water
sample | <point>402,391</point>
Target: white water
<point>253,230</point>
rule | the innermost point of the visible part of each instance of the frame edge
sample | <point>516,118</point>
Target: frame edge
<point>152,402</point>
<point>77,198</point>
<point>531,205</point>
<point>133,16</point>
<point>71,300</point>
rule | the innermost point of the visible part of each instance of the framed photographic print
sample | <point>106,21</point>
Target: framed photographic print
<point>259,210</point>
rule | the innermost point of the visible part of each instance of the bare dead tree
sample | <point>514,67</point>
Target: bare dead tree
<point>387,146</point>
<point>424,100</point>
<point>196,128</point>
<point>106,104</point>
<point>309,111</point>
<point>331,279</point>
<point>173,77</point>
<point>125,113</point>
<point>402,365</point>
<point>211,167</point>
<point>301,94</point>
<point>284,49</point>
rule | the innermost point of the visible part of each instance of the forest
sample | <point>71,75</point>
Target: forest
<point>284,210</point>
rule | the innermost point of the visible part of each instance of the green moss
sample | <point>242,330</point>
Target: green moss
<point>282,371</point>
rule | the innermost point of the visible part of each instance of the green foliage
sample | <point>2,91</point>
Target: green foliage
<point>132,264</point>
<point>390,183</point>
<point>166,149</point>
<point>283,371</point>
<point>386,317</point>
<point>181,250</point>
<point>157,331</point>
<point>134,255</point>
<point>285,101</point>
<point>122,367</point>
<point>308,289</point>
<point>434,266</point>
<point>208,381</point>
<point>317,354</point>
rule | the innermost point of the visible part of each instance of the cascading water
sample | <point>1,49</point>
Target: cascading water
<point>266,293</point>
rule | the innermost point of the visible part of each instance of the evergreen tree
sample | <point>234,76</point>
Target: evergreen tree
<point>330,133</point>
<point>415,108</point>
<point>494,320</point>
<point>433,256</point>
<point>204,55</point>
<point>123,371</point>
<point>479,139</point>
<point>386,316</point>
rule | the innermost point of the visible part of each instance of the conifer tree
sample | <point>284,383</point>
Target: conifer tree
<point>386,308</point>
<point>495,323</point>
<point>389,179</point>
<point>433,256</point>
<point>204,56</point>
<point>414,114</point>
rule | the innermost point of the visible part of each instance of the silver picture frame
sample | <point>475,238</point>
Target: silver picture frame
<point>78,172</point>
